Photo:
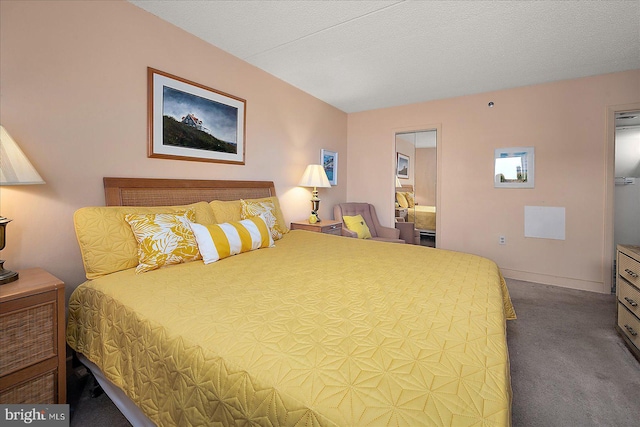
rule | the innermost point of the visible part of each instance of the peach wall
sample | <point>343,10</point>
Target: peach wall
<point>73,82</point>
<point>566,123</point>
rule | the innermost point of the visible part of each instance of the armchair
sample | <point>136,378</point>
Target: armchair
<point>368,212</point>
<point>408,231</point>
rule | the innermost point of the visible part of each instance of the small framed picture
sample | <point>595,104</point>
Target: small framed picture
<point>189,121</point>
<point>402,170</point>
<point>329,161</point>
<point>514,167</point>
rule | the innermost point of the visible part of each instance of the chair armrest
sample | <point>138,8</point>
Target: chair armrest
<point>348,233</point>
<point>408,233</point>
<point>388,232</point>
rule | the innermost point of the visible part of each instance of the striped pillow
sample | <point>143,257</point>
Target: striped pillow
<point>217,241</point>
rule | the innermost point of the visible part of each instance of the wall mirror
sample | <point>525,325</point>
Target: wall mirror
<point>415,182</point>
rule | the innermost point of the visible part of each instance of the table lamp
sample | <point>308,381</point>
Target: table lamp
<point>315,176</point>
<point>15,169</point>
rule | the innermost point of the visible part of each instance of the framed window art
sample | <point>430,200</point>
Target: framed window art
<point>514,167</point>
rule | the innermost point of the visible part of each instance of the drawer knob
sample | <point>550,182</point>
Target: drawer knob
<point>631,302</point>
<point>631,273</point>
<point>631,331</point>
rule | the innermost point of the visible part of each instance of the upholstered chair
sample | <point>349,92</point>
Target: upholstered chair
<point>368,212</point>
<point>408,231</point>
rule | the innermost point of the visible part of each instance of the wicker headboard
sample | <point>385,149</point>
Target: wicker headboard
<point>407,187</point>
<point>170,192</point>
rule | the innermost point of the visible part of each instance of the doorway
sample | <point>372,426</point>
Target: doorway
<point>613,119</point>
<point>626,223</point>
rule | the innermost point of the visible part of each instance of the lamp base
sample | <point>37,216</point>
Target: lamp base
<point>7,276</point>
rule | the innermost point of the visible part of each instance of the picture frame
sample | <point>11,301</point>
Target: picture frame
<point>514,167</point>
<point>329,161</point>
<point>402,166</point>
<point>190,121</point>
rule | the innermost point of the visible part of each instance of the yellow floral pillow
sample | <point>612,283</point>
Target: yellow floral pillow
<point>163,239</point>
<point>267,210</point>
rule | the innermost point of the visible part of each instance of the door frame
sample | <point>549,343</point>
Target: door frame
<point>609,190</point>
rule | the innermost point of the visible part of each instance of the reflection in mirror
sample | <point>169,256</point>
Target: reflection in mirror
<point>416,182</point>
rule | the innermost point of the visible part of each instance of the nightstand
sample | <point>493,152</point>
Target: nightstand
<point>326,226</point>
<point>402,213</point>
<point>32,340</point>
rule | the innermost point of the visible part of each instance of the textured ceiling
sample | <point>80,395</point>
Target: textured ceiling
<point>363,55</point>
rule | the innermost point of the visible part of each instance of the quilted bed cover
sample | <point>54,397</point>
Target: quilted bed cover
<point>320,330</point>
<point>423,216</point>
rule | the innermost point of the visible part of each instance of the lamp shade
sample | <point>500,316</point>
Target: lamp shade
<point>314,176</point>
<point>15,168</point>
<point>398,183</point>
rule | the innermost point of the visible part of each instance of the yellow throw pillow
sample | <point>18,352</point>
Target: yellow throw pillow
<point>163,239</point>
<point>217,241</point>
<point>402,200</point>
<point>410,199</point>
<point>267,210</point>
<point>357,224</point>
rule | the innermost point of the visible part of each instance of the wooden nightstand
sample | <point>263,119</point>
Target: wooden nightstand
<point>32,340</point>
<point>402,213</point>
<point>326,226</point>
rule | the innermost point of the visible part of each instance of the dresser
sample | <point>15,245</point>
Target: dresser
<point>327,226</point>
<point>628,296</point>
<point>32,345</point>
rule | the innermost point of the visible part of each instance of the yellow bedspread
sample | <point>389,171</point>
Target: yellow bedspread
<point>319,331</point>
<point>424,217</point>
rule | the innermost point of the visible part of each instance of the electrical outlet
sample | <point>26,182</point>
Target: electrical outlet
<point>502,240</point>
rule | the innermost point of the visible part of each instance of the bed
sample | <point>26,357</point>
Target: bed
<point>317,330</point>
<point>423,216</point>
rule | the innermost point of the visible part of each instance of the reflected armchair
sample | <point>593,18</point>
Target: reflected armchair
<point>408,231</point>
<point>368,212</point>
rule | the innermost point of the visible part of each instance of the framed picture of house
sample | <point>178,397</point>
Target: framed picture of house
<point>514,167</point>
<point>329,161</point>
<point>402,170</point>
<point>189,121</point>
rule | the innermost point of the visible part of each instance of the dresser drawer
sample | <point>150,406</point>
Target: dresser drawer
<point>38,390</point>
<point>629,296</point>
<point>28,334</point>
<point>629,269</point>
<point>332,229</point>
<point>629,324</point>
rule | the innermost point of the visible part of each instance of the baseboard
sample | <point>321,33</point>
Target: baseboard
<point>564,282</point>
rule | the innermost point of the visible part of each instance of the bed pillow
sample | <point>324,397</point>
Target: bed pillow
<point>402,200</point>
<point>231,211</point>
<point>106,241</point>
<point>266,209</point>
<point>411,201</point>
<point>163,239</point>
<point>356,224</point>
<point>218,241</point>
